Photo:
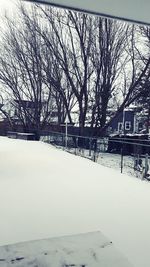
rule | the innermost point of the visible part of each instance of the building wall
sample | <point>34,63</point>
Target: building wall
<point>116,125</point>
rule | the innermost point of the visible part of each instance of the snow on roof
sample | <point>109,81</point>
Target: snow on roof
<point>19,133</point>
<point>91,249</point>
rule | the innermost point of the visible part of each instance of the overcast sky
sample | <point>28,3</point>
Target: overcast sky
<point>8,5</point>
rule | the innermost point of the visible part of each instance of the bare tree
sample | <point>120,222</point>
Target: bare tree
<point>91,54</point>
<point>108,59</point>
<point>69,39</point>
<point>21,71</point>
<point>136,73</point>
<point>66,61</point>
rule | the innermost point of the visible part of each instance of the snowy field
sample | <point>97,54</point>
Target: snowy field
<point>109,160</point>
<point>46,192</point>
<point>114,161</point>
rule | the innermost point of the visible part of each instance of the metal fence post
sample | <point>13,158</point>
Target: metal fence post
<point>66,135</point>
<point>122,158</point>
<point>146,167</point>
<point>95,149</point>
<point>90,143</point>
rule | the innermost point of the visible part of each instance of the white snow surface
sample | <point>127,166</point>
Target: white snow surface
<point>46,192</point>
<point>84,250</point>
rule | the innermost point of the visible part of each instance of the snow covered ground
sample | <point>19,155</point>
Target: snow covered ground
<point>46,192</point>
<point>114,161</point>
<point>109,160</point>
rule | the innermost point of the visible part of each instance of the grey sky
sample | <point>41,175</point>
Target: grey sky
<point>8,5</point>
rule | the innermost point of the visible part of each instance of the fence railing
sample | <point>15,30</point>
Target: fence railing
<point>131,156</point>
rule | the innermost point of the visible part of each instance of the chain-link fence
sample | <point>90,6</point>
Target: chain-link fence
<point>129,155</point>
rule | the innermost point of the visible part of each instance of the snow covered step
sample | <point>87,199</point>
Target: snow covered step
<point>83,250</point>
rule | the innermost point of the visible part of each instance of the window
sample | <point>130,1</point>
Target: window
<point>120,126</point>
<point>140,126</point>
<point>127,125</point>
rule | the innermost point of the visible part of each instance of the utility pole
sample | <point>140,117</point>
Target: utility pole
<point>66,132</point>
<point>123,122</point>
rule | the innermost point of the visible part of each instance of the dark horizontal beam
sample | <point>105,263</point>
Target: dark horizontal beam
<point>135,11</point>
